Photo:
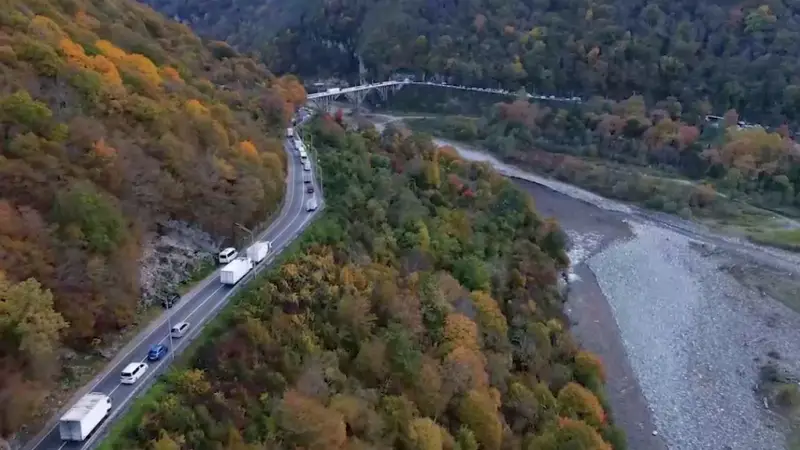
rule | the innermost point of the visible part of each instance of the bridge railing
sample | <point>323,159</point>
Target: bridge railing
<point>365,87</point>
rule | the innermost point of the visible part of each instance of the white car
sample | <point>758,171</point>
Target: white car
<point>132,372</point>
<point>311,204</point>
<point>227,255</point>
<point>179,329</point>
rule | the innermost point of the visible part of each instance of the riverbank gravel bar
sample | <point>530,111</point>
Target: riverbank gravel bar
<point>693,337</point>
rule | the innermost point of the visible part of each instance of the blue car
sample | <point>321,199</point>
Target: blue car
<point>156,352</point>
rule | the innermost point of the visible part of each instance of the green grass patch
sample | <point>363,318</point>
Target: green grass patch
<point>785,239</point>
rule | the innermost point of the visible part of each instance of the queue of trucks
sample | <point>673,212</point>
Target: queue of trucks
<point>240,266</point>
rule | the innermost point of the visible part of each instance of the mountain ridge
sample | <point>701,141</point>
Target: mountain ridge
<point>715,56</point>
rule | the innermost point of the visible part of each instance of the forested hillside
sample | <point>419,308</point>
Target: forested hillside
<point>711,56</point>
<point>114,119</point>
<point>753,164</point>
<point>419,312</point>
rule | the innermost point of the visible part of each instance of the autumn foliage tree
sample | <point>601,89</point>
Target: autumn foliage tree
<point>577,402</point>
<point>478,411</point>
<point>310,424</point>
<point>31,330</point>
<point>425,434</point>
<point>569,433</point>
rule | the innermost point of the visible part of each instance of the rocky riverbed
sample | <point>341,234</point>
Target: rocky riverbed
<point>684,319</point>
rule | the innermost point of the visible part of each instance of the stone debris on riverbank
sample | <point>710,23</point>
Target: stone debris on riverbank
<point>695,338</point>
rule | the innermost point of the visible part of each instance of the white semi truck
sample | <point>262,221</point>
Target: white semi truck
<point>84,416</point>
<point>311,204</point>
<point>235,270</point>
<point>258,251</point>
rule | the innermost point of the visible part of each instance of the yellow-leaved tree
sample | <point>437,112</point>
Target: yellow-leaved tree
<point>425,434</point>
<point>479,411</point>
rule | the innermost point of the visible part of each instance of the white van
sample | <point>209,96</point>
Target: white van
<point>311,204</point>
<point>179,329</point>
<point>132,372</point>
<point>227,255</point>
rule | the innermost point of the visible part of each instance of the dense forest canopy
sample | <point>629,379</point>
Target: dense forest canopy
<point>711,56</point>
<point>114,119</point>
<point>420,312</point>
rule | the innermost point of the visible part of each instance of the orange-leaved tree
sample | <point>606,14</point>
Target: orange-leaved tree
<point>248,149</point>
<point>309,424</point>
<point>577,402</point>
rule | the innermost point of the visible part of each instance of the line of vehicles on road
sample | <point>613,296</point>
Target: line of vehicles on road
<point>88,412</point>
<point>91,409</point>
<point>312,203</point>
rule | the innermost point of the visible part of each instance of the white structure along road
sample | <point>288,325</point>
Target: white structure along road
<point>335,92</point>
<point>363,89</point>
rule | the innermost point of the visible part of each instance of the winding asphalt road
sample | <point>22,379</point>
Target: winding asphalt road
<point>197,308</point>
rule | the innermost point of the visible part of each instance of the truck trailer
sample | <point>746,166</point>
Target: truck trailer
<point>258,251</point>
<point>235,270</point>
<point>311,204</point>
<point>84,416</point>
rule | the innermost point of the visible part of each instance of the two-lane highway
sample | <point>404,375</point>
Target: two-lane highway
<point>196,309</point>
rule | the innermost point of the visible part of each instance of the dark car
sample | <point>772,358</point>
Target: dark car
<point>310,189</point>
<point>157,352</point>
<point>171,300</point>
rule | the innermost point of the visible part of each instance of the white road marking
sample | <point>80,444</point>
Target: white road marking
<point>200,305</point>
